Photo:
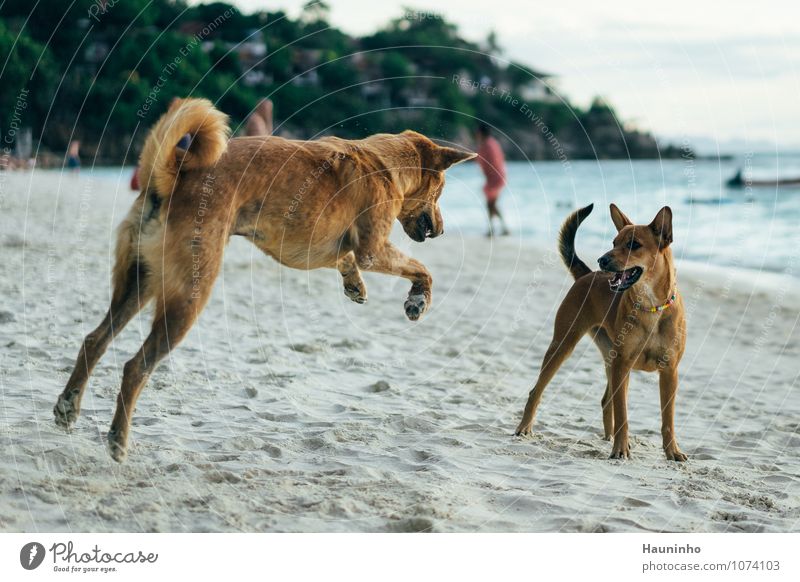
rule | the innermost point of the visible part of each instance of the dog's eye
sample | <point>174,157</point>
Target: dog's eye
<point>634,245</point>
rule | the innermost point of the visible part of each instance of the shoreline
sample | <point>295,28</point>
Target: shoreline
<point>763,279</point>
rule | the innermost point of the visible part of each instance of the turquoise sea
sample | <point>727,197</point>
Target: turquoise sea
<point>750,228</point>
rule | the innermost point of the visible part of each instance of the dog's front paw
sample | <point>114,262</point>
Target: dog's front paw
<point>524,429</point>
<point>620,450</point>
<point>675,454</point>
<point>416,306</point>
<point>356,292</point>
<point>117,447</point>
<point>66,411</point>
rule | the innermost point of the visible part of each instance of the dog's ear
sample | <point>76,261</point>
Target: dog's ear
<point>618,218</point>
<point>444,157</point>
<point>662,227</point>
<point>436,157</point>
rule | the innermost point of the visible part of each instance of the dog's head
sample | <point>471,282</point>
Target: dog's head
<point>637,249</point>
<point>420,214</point>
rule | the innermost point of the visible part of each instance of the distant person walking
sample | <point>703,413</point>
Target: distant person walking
<point>74,156</point>
<point>260,121</point>
<point>493,163</point>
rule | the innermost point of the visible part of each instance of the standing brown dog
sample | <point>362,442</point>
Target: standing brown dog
<point>633,312</point>
<point>308,204</point>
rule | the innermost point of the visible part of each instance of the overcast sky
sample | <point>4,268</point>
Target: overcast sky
<point>725,70</point>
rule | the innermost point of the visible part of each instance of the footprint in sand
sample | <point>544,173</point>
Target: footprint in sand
<point>349,344</point>
<point>728,516</point>
<point>272,451</point>
<point>312,348</point>
<point>411,525</point>
<point>223,477</point>
<point>379,386</point>
<point>291,417</point>
<point>703,454</point>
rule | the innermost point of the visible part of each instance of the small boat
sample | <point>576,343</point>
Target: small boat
<point>739,181</point>
<point>707,201</point>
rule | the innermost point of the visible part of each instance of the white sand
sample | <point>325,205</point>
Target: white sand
<point>290,408</point>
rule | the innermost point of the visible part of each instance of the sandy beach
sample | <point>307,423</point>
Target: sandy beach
<point>290,408</point>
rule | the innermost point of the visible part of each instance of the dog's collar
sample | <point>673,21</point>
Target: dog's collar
<point>659,308</point>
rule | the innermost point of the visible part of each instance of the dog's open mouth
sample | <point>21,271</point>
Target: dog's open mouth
<point>624,279</point>
<point>424,227</point>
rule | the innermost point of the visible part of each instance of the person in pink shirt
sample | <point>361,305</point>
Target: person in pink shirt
<point>493,164</point>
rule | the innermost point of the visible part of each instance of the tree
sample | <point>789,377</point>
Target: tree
<point>316,11</point>
<point>492,46</point>
<point>91,68</point>
<point>28,77</point>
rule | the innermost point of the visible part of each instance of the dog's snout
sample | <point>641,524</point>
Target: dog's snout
<point>425,227</point>
<point>604,262</point>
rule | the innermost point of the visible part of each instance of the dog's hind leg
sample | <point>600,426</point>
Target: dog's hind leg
<point>189,275</point>
<point>129,296</point>
<point>608,409</point>
<point>354,286</point>
<point>173,320</point>
<point>569,328</point>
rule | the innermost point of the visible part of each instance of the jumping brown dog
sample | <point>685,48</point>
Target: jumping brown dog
<point>308,204</point>
<point>634,313</point>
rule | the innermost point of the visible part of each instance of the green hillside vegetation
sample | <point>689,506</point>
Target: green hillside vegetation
<point>103,71</point>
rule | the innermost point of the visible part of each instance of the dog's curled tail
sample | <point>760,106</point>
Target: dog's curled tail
<point>566,242</point>
<point>166,153</point>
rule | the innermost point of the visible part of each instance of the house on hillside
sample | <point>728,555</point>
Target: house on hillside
<point>522,82</point>
<point>306,62</point>
<point>539,90</point>
<point>251,53</point>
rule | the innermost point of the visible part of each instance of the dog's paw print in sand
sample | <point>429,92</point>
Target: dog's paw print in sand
<point>415,306</point>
